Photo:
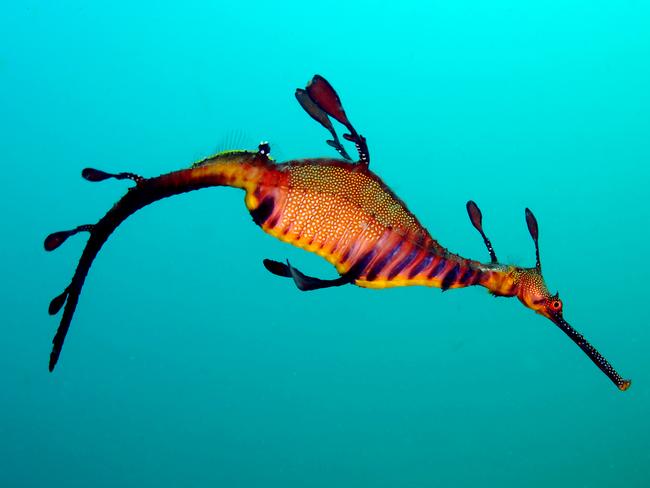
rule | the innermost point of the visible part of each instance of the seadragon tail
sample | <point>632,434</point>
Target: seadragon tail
<point>241,169</point>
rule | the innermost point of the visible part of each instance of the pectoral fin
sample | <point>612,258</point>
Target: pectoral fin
<point>302,281</point>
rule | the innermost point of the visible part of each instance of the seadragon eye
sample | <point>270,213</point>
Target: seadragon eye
<point>556,305</point>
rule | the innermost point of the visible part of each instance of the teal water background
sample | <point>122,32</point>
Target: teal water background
<point>187,364</point>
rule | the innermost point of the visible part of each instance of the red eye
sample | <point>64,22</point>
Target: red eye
<point>556,305</point>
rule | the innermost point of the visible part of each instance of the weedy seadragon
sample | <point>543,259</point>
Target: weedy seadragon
<point>336,208</point>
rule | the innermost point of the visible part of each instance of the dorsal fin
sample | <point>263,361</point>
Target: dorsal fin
<point>233,155</point>
<point>237,156</point>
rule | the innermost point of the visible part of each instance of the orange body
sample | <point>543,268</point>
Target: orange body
<point>346,214</point>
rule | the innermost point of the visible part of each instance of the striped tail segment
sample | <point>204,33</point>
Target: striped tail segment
<point>403,261</point>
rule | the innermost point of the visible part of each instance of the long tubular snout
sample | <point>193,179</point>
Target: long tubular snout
<point>593,354</point>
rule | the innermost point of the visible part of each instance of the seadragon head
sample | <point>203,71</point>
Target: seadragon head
<point>529,286</point>
<point>534,294</point>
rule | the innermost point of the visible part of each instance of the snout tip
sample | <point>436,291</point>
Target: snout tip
<point>624,385</point>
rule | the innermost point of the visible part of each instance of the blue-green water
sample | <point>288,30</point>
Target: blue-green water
<point>188,364</point>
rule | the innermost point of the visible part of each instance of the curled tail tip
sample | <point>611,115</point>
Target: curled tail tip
<point>62,331</point>
<point>54,357</point>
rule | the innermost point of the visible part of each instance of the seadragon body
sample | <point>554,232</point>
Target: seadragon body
<point>335,208</point>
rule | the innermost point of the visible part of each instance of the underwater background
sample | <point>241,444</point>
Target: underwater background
<point>188,364</point>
